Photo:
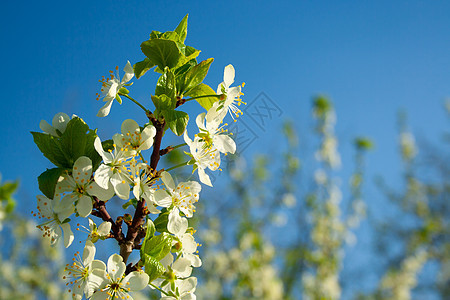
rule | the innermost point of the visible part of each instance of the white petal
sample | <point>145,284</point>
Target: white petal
<point>189,244</point>
<point>162,198</point>
<point>200,121</point>
<point>84,206</point>
<point>82,170</point>
<point>168,180</point>
<point>187,140</point>
<point>66,201</point>
<point>187,285</point>
<point>88,253</point>
<point>224,143</point>
<point>104,228</point>
<point>116,266</point>
<point>176,224</point>
<point>99,295</point>
<point>107,157</point>
<point>182,267</point>
<point>98,264</point>
<point>138,280</point>
<point>104,111</point>
<point>68,235</point>
<point>196,262</point>
<point>121,187</point>
<point>204,178</point>
<point>47,128</point>
<point>60,121</point>
<point>129,126</point>
<point>129,72</point>
<point>103,194</point>
<point>228,75</point>
<point>103,175</point>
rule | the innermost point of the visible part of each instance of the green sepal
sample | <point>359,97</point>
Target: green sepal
<point>161,222</point>
<point>158,246</point>
<point>124,91</point>
<point>140,68</point>
<point>196,74</point>
<point>155,34</point>
<point>132,201</point>
<point>153,267</point>
<point>181,29</point>
<point>166,85</point>
<point>176,120</point>
<point>203,90</point>
<point>48,180</point>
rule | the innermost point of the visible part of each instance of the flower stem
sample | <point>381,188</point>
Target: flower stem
<point>177,166</point>
<point>159,289</point>
<point>178,146</point>
<point>205,96</point>
<point>136,102</point>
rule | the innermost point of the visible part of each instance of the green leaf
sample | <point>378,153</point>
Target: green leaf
<point>181,29</point>
<point>148,235</point>
<point>158,246</point>
<point>74,139</point>
<point>163,53</point>
<point>171,35</point>
<point>196,74</point>
<point>7,189</point>
<point>203,90</point>
<point>176,120</point>
<point>166,85</point>
<point>161,221</point>
<point>47,181</point>
<point>163,103</point>
<point>50,146</point>
<point>153,267</point>
<point>142,67</point>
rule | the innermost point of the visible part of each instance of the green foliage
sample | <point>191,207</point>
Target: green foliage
<point>7,190</point>
<point>176,120</point>
<point>200,91</point>
<point>77,140</point>
<point>47,181</point>
<point>363,143</point>
<point>153,267</point>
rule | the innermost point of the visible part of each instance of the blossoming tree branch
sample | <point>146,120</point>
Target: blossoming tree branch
<point>88,172</point>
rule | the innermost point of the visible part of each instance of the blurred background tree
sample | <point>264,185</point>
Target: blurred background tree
<point>281,226</point>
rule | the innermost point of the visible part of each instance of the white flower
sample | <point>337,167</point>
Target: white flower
<point>59,124</point>
<point>221,107</point>
<point>133,139</point>
<point>82,187</point>
<point>96,233</point>
<point>115,283</point>
<point>185,289</point>
<point>113,170</point>
<point>186,243</point>
<point>80,272</point>
<point>54,215</point>
<point>213,135</point>
<point>182,197</point>
<point>111,87</point>
<point>204,158</point>
<point>142,179</point>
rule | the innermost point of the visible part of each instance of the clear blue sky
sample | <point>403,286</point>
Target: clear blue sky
<point>371,58</point>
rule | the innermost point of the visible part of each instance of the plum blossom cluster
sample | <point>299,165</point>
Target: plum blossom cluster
<point>90,171</point>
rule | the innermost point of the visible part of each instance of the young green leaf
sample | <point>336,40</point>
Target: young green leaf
<point>153,267</point>
<point>51,147</point>
<point>163,53</point>
<point>196,74</point>
<point>176,120</point>
<point>203,90</point>
<point>47,181</point>
<point>158,246</point>
<point>166,85</point>
<point>181,29</point>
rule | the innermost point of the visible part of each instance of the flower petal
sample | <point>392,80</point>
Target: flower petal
<point>224,143</point>
<point>107,157</point>
<point>129,126</point>
<point>103,194</point>
<point>88,253</point>
<point>68,234</point>
<point>228,75</point>
<point>116,267</point>
<point>204,178</point>
<point>103,175</point>
<point>176,224</point>
<point>168,180</point>
<point>82,170</point>
<point>104,111</point>
<point>104,228</point>
<point>137,280</point>
<point>162,198</point>
<point>84,206</point>
<point>60,121</point>
<point>47,128</point>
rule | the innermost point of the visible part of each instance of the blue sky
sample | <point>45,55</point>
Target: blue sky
<point>371,57</point>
